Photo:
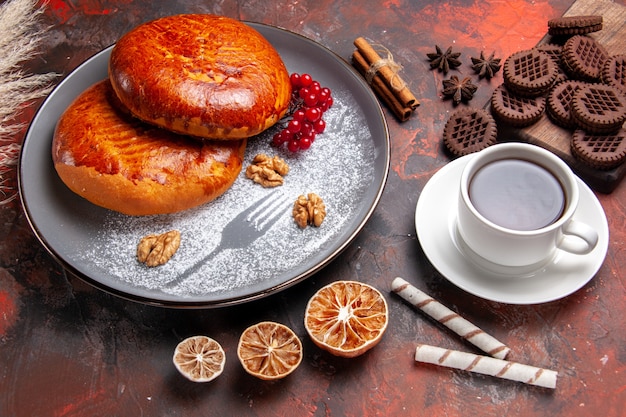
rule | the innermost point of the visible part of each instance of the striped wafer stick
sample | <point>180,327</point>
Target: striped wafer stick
<point>450,319</point>
<point>486,365</point>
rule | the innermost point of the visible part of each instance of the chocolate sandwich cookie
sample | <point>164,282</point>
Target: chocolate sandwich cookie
<point>560,100</point>
<point>515,110</point>
<point>529,73</point>
<point>598,108</point>
<point>614,72</point>
<point>469,130</point>
<point>574,25</point>
<point>583,58</point>
<point>599,151</point>
<point>554,51</point>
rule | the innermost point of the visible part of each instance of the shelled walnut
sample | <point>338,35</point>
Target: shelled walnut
<point>155,250</point>
<point>267,171</point>
<point>309,210</point>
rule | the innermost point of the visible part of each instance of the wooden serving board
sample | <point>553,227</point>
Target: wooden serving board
<point>548,135</point>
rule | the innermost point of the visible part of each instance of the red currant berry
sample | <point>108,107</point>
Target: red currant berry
<point>279,138</point>
<point>307,127</point>
<point>324,94</point>
<point>305,143</point>
<point>315,88</point>
<point>294,126</point>
<point>313,114</point>
<point>327,104</point>
<point>293,145</point>
<point>299,115</point>
<point>294,79</point>
<point>306,80</point>
<point>288,135</point>
<point>303,92</point>
<point>310,100</point>
<point>309,135</point>
<point>319,126</point>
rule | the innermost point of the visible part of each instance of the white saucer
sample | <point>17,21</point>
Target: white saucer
<point>564,274</point>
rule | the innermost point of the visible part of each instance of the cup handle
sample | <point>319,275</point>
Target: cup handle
<point>578,238</point>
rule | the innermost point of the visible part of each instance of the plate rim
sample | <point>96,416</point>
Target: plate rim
<point>170,300</point>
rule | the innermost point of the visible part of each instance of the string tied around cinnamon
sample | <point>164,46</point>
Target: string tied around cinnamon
<point>396,82</point>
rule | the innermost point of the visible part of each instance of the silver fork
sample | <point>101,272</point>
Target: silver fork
<point>244,229</point>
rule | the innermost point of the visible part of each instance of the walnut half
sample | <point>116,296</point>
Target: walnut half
<point>309,210</point>
<point>155,250</point>
<point>268,172</point>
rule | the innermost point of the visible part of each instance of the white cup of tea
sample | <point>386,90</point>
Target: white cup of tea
<point>516,204</point>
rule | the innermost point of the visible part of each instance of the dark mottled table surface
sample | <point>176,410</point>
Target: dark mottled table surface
<point>68,349</point>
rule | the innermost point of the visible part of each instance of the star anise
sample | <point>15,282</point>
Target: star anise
<point>459,90</point>
<point>444,61</point>
<point>486,67</point>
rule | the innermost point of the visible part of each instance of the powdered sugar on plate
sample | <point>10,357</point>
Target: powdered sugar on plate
<point>338,167</point>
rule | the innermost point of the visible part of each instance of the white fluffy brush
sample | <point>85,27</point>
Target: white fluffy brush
<point>19,39</point>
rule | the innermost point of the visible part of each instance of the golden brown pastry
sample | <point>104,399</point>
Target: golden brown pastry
<point>202,75</point>
<point>116,161</point>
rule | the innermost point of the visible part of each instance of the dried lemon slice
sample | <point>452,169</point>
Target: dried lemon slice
<point>346,318</point>
<point>269,350</point>
<point>199,358</point>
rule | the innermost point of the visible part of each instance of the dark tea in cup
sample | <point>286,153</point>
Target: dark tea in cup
<point>517,194</point>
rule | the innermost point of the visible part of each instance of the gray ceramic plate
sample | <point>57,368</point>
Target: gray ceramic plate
<point>218,265</point>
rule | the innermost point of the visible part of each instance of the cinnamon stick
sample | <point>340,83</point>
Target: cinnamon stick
<point>391,78</point>
<point>381,89</point>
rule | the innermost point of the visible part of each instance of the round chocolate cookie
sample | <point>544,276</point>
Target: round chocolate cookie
<point>614,72</point>
<point>555,51</point>
<point>529,73</point>
<point>583,58</point>
<point>599,151</point>
<point>469,130</point>
<point>574,25</point>
<point>560,100</point>
<point>598,108</point>
<point>515,110</point>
